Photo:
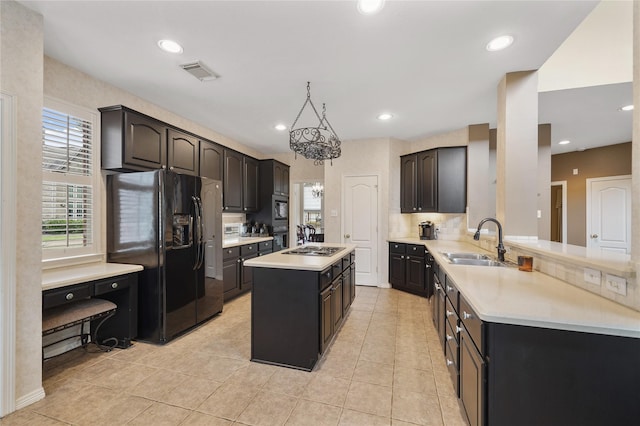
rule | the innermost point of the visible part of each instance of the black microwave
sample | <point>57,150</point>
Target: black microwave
<point>280,208</point>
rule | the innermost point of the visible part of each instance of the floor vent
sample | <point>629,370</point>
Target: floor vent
<point>199,71</point>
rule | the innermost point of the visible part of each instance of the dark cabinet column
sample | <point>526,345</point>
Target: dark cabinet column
<point>183,153</point>
<point>211,158</point>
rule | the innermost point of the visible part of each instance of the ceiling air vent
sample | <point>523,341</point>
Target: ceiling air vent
<point>199,71</point>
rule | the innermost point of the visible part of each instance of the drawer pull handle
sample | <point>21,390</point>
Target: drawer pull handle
<point>449,362</point>
<point>449,313</point>
<point>114,285</point>
<point>69,296</point>
<point>466,315</point>
<point>449,337</point>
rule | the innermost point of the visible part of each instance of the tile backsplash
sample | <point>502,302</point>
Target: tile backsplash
<point>450,226</point>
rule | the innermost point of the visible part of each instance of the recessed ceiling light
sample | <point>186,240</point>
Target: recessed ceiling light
<point>170,46</point>
<point>565,142</point>
<point>385,116</point>
<point>500,43</point>
<point>369,7</point>
<point>280,127</point>
<point>626,108</point>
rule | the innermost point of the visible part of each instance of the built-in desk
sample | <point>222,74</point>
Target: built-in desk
<point>117,283</point>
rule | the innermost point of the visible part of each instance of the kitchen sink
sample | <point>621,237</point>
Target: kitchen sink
<point>466,256</point>
<point>473,259</point>
<point>476,262</point>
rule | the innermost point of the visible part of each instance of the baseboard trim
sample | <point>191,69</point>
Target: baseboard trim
<point>30,398</point>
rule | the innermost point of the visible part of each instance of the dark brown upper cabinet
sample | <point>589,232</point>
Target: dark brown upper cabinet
<point>274,177</point>
<point>434,181</point>
<point>240,183</point>
<point>132,141</point>
<point>183,153</point>
<point>211,158</point>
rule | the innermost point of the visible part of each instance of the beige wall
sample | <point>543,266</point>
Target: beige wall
<point>613,160</point>
<point>21,77</point>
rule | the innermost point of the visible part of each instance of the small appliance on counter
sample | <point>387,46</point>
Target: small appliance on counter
<point>427,230</point>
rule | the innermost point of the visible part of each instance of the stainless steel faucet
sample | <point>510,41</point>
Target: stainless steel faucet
<point>501,249</point>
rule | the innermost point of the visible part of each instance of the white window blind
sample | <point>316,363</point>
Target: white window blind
<point>68,201</point>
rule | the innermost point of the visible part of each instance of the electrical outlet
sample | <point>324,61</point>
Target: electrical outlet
<point>592,276</point>
<point>616,284</point>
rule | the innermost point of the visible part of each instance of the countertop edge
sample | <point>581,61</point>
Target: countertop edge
<point>277,261</point>
<point>244,240</point>
<point>62,277</point>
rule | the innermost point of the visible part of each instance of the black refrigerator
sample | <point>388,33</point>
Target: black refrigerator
<point>171,224</point>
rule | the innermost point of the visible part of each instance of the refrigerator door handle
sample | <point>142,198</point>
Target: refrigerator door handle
<point>197,233</point>
<point>200,228</point>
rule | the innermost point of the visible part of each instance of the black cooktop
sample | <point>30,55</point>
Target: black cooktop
<point>314,251</point>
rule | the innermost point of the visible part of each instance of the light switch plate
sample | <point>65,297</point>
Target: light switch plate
<point>592,276</point>
<point>616,284</point>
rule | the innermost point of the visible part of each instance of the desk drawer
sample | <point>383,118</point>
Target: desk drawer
<point>112,284</point>
<point>51,298</point>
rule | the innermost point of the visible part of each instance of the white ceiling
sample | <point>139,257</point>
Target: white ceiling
<point>423,61</point>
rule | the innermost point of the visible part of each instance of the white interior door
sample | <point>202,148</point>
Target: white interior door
<point>360,225</point>
<point>609,213</point>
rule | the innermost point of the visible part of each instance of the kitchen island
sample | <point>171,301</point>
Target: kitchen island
<point>299,299</point>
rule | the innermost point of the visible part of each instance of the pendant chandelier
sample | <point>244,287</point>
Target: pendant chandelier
<point>317,190</point>
<point>318,143</point>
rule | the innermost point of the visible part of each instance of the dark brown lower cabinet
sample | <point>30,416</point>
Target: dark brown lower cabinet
<point>326,319</point>
<point>337,302</point>
<point>472,380</point>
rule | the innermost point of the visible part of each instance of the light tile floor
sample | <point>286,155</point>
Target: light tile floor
<point>385,367</point>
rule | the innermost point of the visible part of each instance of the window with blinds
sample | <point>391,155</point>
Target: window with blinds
<point>68,201</point>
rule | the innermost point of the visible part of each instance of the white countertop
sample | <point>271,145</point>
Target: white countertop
<point>69,275</point>
<point>240,241</point>
<point>507,295</point>
<point>280,260</point>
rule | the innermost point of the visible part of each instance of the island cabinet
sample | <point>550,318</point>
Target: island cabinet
<point>240,183</point>
<point>295,314</point>
<point>509,374</point>
<point>434,181</point>
<point>408,268</point>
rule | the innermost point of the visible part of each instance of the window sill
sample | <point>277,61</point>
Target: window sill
<point>72,261</point>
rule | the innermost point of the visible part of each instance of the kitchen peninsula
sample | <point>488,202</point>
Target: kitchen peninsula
<point>527,348</point>
<point>299,300</point>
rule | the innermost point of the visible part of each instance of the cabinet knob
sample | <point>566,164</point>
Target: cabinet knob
<point>437,286</point>
<point>448,313</point>
<point>414,208</point>
<point>449,362</point>
<point>449,337</point>
<point>419,208</point>
<point>171,168</point>
<point>69,296</point>
<point>466,315</point>
<point>164,167</point>
<point>401,257</point>
<point>449,289</point>
<point>427,266</point>
<point>114,285</point>
<point>458,329</point>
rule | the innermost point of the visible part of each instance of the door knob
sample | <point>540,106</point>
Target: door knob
<point>347,236</point>
<point>594,235</point>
